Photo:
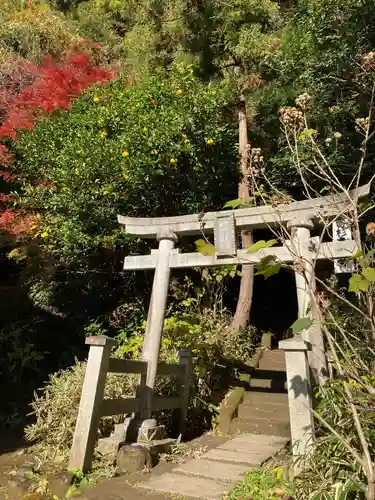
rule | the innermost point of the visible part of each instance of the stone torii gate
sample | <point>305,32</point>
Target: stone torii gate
<point>299,217</point>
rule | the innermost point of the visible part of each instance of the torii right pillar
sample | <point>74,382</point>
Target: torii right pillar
<point>300,230</point>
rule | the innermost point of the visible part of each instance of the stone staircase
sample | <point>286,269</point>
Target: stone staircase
<point>261,430</point>
<point>216,472</point>
<point>265,406</point>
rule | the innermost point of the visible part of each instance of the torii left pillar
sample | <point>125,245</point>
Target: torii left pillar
<point>155,320</point>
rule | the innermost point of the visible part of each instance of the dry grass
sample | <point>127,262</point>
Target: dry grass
<point>56,407</point>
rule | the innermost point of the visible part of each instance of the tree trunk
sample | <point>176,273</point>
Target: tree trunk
<point>370,494</point>
<point>242,314</point>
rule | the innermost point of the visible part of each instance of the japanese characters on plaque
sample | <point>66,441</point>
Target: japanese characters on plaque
<point>225,235</point>
<point>341,231</point>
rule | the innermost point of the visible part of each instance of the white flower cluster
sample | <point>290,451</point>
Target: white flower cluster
<point>303,100</point>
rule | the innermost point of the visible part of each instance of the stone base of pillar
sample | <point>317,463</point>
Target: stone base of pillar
<point>137,430</point>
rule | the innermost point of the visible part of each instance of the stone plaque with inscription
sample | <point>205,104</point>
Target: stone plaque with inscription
<point>225,235</point>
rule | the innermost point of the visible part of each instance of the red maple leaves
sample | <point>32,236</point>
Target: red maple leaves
<point>54,86</point>
<point>31,92</point>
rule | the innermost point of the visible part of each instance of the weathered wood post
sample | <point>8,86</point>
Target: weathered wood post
<point>91,399</point>
<point>185,361</point>
<point>167,240</point>
<point>299,395</point>
<point>306,286</point>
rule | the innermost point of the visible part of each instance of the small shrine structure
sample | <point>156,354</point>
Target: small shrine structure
<point>305,355</point>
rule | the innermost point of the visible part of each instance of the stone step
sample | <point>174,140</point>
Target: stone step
<point>277,367</point>
<point>272,358</point>
<point>278,386</point>
<point>260,426</point>
<point>261,398</point>
<point>187,486</point>
<point>272,413</point>
<point>281,408</point>
<point>256,455</point>
<point>248,449</point>
<point>263,439</point>
<point>274,355</point>
<point>246,458</point>
<point>213,469</point>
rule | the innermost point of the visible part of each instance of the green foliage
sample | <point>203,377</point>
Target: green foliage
<point>330,471</point>
<point>268,266</point>
<point>235,203</point>
<point>55,407</point>
<point>259,245</point>
<point>321,49</point>
<point>34,31</point>
<point>143,150</point>
<point>265,484</point>
<point>301,324</point>
<point>205,248</point>
<point>363,280</point>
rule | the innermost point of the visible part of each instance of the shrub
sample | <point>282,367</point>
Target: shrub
<point>34,31</point>
<point>159,147</point>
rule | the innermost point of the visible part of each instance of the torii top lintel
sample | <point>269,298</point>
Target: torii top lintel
<point>253,217</point>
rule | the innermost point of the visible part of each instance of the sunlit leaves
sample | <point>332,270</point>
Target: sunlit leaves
<point>205,248</point>
<point>255,247</point>
<point>307,133</point>
<point>268,266</point>
<point>239,202</point>
<point>362,282</point>
<point>300,325</point>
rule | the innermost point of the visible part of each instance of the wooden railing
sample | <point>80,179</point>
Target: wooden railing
<point>93,406</point>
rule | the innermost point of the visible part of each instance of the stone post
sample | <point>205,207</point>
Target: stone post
<point>299,395</point>
<point>306,286</point>
<point>91,398</point>
<point>186,362</point>
<point>167,240</point>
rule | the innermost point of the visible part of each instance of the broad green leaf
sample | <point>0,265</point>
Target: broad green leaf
<point>369,274</point>
<point>358,282</point>
<point>358,255</point>
<point>270,270</point>
<point>205,248</point>
<point>275,269</point>
<point>266,261</point>
<point>255,247</point>
<point>268,266</point>
<point>301,324</point>
<point>307,133</point>
<point>235,203</point>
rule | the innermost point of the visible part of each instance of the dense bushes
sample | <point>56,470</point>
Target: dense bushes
<point>159,147</point>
